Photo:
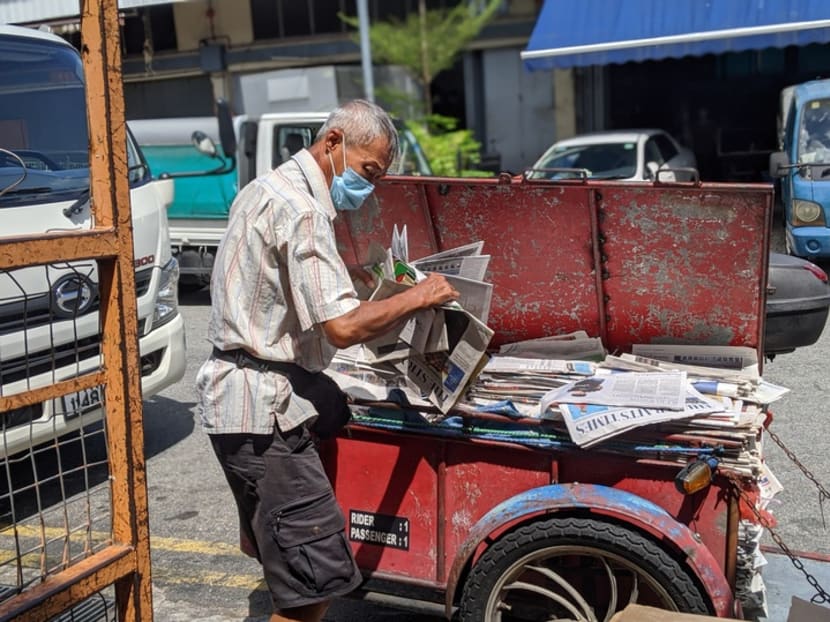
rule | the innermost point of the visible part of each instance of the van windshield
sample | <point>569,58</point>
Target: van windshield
<point>814,133</point>
<point>613,160</point>
<point>43,123</point>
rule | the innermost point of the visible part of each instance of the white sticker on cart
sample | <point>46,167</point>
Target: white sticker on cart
<point>379,529</point>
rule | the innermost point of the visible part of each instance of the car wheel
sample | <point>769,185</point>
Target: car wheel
<point>575,569</point>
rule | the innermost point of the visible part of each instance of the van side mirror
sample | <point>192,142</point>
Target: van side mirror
<point>779,164</point>
<point>227,137</point>
<point>203,143</point>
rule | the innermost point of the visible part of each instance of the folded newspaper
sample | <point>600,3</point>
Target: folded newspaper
<point>435,352</point>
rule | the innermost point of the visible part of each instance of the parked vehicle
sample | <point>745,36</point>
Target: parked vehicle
<point>630,155</point>
<point>798,297</point>
<point>206,182</point>
<point>494,519</point>
<point>803,167</point>
<point>49,322</point>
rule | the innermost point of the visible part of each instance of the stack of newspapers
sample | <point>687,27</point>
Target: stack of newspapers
<point>693,397</point>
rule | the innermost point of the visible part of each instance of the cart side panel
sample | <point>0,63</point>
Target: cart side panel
<point>684,264</point>
<point>387,486</point>
<point>478,477</point>
<point>706,512</point>
<point>630,263</point>
<point>438,488</point>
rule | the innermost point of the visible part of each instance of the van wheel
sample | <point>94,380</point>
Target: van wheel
<point>575,569</point>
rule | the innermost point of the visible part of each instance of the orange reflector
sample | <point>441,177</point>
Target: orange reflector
<point>696,475</point>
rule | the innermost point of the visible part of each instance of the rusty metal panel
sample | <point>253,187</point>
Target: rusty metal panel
<point>630,263</point>
<point>392,477</point>
<point>392,203</point>
<point>684,264</point>
<point>540,237</point>
<point>541,242</point>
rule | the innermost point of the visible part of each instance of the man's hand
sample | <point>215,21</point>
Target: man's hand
<point>435,290</point>
<point>362,275</point>
<point>373,318</point>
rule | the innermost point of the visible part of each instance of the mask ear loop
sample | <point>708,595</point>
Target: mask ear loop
<point>331,161</point>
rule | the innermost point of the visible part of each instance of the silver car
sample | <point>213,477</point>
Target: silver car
<point>629,155</point>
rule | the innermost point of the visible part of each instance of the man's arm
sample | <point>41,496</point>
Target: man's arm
<point>374,318</point>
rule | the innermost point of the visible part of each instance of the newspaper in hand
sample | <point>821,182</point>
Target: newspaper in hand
<point>444,376</point>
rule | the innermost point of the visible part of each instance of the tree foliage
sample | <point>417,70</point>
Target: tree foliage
<point>425,44</point>
<point>428,42</point>
<point>451,152</point>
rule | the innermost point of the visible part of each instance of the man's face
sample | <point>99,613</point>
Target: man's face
<point>370,161</point>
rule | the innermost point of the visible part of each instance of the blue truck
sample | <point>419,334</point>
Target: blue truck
<point>803,168</point>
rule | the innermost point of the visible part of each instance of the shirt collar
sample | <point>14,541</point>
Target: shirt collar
<point>316,180</point>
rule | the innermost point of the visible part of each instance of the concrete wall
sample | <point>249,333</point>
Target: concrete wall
<point>231,19</point>
<point>522,111</point>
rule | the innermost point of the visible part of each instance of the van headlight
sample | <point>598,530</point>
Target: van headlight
<point>807,213</point>
<point>167,299</point>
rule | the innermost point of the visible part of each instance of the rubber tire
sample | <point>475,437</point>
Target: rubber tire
<point>613,538</point>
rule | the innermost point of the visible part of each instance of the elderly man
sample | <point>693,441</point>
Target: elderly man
<point>282,301</point>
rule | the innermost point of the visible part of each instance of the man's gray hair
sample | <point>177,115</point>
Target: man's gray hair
<point>362,122</point>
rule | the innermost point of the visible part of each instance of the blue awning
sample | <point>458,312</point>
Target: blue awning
<point>573,33</point>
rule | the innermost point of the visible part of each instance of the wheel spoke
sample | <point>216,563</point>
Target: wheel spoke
<point>612,582</point>
<point>565,585</point>
<point>521,585</point>
<point>635,590</point>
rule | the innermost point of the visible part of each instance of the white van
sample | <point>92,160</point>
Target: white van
<point>49,321</point>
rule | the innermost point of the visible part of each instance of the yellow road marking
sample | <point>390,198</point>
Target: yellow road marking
<point>178,545</point>
<point>163,575</point>
<point>215,579</point>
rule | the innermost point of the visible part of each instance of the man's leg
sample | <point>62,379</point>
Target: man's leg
<point>309,613</point>
<point>299,529</point>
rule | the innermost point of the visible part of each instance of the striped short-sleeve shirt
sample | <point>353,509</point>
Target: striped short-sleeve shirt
<point>276,277</point>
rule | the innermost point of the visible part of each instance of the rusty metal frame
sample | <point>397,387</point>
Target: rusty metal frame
<point>125,563</point>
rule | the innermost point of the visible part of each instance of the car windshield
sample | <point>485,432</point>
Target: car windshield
<point>814,133</point>
<point>43,123</point>
<point>602,161</point>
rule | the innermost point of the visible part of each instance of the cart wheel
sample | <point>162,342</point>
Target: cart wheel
<point>574,569</point>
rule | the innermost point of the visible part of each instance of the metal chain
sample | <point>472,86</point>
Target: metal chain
<point>823,494</point>
<point>821,595</point>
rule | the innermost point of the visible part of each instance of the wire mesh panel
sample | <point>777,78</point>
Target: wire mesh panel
<point>74,541</point>
<point>55,493</point>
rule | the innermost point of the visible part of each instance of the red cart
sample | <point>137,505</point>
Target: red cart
<point>503,522</point>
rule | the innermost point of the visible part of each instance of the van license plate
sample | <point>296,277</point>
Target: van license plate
<point>75,404</point>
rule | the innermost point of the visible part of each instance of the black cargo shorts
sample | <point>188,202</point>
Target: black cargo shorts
<point>288,512</point>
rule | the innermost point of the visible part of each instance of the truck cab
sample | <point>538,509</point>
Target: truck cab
<point>803,167</point>
<point>50,328</point>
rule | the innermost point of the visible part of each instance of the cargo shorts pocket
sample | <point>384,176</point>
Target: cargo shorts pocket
<point>310,537</point>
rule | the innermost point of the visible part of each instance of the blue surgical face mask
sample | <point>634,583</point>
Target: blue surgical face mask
<point>349,190</point>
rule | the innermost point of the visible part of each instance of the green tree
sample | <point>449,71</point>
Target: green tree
<point>428,42</point>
